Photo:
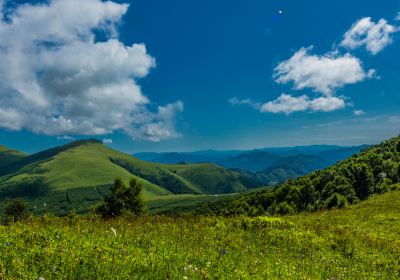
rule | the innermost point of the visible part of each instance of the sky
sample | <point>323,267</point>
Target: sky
<point>183,75</point>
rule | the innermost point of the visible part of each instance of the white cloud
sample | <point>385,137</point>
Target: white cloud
<point>323,74</point>
<point>397,18</point>
<point>327,104</point>
<point>359,112</point>
<point>66,137</point>
<point>58,78</point>
<point>289,104</point>
<point>159,126</point>
<point>374,36</point>
<point>248,101</point>
<point>107,141</point>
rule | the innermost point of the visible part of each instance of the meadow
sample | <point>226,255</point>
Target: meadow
<point>361,241</point>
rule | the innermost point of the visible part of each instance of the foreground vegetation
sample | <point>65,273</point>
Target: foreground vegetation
<point>358,242</point>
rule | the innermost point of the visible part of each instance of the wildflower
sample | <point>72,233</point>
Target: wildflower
<point>114,231</point>
<point>45,205</point>
<point>8,244</point>
<point>223,252</point>
<point>41,278</point>
<point>1,275</point>
<point>188,267</point>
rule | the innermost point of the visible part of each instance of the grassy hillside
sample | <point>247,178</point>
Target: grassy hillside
<point>358,242</point>
<point>80,172</point>
<point>9,156</point>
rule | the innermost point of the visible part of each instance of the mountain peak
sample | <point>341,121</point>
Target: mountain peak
<point>82,142</point>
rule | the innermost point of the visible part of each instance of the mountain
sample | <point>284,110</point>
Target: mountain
<point>258,160</point>
<point>301,150</point>
<point>188,157</point>
<point>251,161</point>
<point>289,167</point>
<point>374,170</point>
<point>83,170</point>
<point>335,155</point>
<point>9,156</point>
<point>173,158</point>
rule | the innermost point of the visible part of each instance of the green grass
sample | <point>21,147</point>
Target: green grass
<point>175,204</point>
<point>88,164</point>
<point>358,242</point>
<point>8,156</point>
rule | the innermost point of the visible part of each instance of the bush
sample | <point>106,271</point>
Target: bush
<point>284,208</point>
<point>336,201</point>
<point>15,210</point>
<point>123,199</point>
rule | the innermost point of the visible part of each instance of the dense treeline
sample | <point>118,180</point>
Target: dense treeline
<point>374,170</point>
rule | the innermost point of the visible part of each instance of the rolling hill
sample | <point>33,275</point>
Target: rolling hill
<point>9,156</point>
<point>78,174</point>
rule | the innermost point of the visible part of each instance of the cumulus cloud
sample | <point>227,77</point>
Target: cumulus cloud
<point>374,36</point>
<point>159,126</point>
<point>58,78</point>
<point>286,104</point>
<point>327,104</point>
<point>322,73</point>
<point>289,104</point>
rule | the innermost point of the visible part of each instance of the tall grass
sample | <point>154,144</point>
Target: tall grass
<point>359,242</point>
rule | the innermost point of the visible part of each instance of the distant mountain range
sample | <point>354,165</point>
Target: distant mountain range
<point>268,165</point>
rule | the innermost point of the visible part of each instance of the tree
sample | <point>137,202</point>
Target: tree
<point>123,199</point>
<point>16,210</point>
<point>363,180</point>
<point>133,198</point>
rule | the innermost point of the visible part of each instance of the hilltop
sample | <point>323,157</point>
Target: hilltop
<point>9,156</point>
<point>79,174</point>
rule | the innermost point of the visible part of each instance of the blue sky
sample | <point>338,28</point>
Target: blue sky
<point>208,77</point>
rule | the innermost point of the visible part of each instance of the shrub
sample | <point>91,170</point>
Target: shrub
<point>123,199</point>
<point>15,210</point>
<point>336,200</point>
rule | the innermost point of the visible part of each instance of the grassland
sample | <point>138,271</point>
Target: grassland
<point>74,176</point>
<point>358,242</point>
<point>8,156</point>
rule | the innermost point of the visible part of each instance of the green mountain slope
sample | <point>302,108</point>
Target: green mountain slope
<point>374,170</point>
<point>8,156</point>
<point>81,171</point>
<point>289,167</point>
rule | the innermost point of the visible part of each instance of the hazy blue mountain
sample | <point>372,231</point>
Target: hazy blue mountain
<point>212,156</point>
<point>260,159</point>
<point>290,167</point>
<point>252,161</point>
<point>333,156</point>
